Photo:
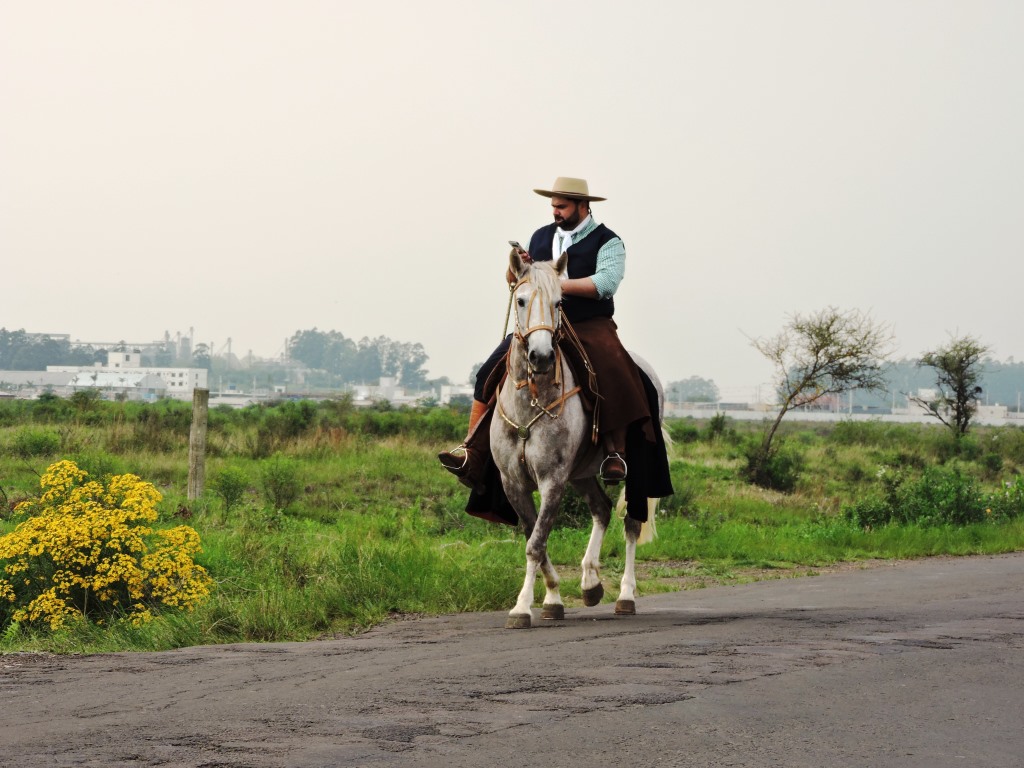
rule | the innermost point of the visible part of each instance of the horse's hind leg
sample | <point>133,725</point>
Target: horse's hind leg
<point>626,604</point>
<point>601,512</point>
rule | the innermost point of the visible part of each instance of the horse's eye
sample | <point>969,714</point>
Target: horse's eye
<point>521,301</point>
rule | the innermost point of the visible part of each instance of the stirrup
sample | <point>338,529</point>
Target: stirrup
<point>452,467</point>
<point>614,478</point>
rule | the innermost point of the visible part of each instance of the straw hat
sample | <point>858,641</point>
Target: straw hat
<point>574,189</point>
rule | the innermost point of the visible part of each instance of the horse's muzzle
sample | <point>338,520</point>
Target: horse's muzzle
<point>541,361</point>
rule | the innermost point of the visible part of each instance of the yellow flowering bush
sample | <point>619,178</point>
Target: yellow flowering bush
<point>85,550</point>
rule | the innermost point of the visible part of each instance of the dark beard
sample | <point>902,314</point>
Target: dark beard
<point>569,224</point>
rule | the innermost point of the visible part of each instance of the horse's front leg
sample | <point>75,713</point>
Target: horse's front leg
<point>520,617</point>
<point>551,499</point>
<point>601,513</point>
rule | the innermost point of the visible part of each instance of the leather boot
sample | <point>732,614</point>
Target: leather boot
<point>463,461</point>
<point>613,469</point>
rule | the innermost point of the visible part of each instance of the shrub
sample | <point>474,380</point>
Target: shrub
<point>854,472</point>
<point>1008,442</point>
<point>992,464</point>
<point>940,496</point>
<point>288,420</point>
<point>84,550</point>
<point>85,400</point>
<point>49,407</point>
<point>1008,501</point>
<point>968,448</point>
<point>442,424</point>
<point>280,479</point>
<point>717,426</point>
<point>230,484</point>
<point>159,427</point>
<point>683,500</point>
<point>945,496</point>
<point>899,457</point>
<point>30,442</point>
<point>683,432</point>
<point>778,467</point>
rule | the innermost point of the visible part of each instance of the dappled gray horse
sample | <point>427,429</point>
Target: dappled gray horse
<point>540,440</point>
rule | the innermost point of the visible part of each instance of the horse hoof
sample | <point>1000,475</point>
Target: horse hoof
<point>518,621</point>
<point>625,608</point>
<point>592,596</point>
<point>554,611</point>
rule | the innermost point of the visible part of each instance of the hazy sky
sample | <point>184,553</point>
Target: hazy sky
<point>250,169</point>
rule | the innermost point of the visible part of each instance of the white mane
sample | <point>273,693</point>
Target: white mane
<point>545,280</point>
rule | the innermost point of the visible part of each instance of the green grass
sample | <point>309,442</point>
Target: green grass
<point>377,530</point>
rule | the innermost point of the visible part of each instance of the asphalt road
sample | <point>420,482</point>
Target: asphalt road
<point>906,664</point>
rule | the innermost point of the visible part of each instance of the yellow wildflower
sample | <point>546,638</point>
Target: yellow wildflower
<point>85,550</point>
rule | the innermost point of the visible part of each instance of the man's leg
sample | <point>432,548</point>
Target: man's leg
<point>456,460</point>
<point>468,460</point>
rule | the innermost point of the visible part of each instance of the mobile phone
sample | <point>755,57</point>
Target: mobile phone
<point>516,245</point>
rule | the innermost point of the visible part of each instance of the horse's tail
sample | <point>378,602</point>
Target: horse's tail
<point>648,529</point>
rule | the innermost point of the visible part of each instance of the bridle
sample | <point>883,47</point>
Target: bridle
<point>556,316</point>
<point>521,335</point>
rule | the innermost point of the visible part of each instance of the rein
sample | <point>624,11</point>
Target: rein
<point>570,333</point>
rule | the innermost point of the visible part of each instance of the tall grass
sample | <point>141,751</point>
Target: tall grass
<point>373,529</point>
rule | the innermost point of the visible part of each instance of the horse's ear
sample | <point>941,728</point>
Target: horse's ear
<point>516,263</point>
<point>561,263</point>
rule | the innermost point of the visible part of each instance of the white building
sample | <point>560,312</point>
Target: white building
<point>388,389</point>
<point>130,385</point>
<point>123,385</point>
<point>179,381</point>
<point>31,384</point>
<point>448,391</point>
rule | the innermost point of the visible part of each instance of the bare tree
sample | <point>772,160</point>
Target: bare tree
<point>958,372</point>
<point>828,352</point>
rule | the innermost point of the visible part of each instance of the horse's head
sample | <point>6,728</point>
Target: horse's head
<point>537,293</point>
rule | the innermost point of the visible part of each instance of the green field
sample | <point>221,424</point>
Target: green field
<point>321,518</point>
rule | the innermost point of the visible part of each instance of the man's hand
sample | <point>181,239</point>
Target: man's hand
<point>524,256</point>
<point>517,248</point>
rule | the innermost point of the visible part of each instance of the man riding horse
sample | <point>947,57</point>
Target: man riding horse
<point>623,411</point>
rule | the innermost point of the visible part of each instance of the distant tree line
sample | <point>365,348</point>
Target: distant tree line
<point>22,351</point>
<point>692,390</point>
<point>334,359</point>
<point>337,360</point>
<point>365,361</point>
<point>1001,383</point>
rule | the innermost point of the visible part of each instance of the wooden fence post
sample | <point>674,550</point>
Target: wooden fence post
<point>197,443</point>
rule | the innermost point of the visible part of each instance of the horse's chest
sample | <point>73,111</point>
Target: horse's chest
<point>523,445</point>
